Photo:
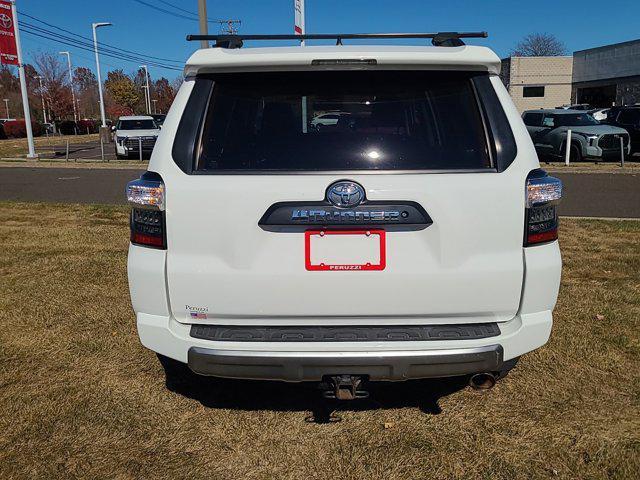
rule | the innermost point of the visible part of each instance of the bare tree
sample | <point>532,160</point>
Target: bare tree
<point>176,83</point>
<point>539,45</point>
<point>140,82</point>
<point>10,89</point>
<point>87,92</point>
<point>164,93</point>
<point>56,85</point>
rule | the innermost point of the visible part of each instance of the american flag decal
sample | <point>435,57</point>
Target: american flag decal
<point>198,315</point>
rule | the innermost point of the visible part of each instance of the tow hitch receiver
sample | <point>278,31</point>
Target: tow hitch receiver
<point>344,387</point>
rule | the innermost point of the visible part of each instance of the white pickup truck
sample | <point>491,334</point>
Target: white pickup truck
<point>417,239</point>
<point>135,136</point>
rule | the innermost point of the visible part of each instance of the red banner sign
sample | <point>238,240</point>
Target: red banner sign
<point>8,49</point>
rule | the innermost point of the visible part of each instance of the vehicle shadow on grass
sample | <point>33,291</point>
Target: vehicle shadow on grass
<point>281,396</point>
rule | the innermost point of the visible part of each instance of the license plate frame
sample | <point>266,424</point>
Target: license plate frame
<point>381,265</point>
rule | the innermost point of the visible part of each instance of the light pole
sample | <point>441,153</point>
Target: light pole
<point>147,93</point>
<point>44,108</point>
<point>94,26</point>
<point>73,94</point>
<point>6,105</point>
<point>154,105</point>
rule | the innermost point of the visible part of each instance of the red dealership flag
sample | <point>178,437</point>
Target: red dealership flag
<point>8,50</point>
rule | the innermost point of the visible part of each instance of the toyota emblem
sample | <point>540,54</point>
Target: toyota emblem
<point>5,20</point>
<point>345,194</point>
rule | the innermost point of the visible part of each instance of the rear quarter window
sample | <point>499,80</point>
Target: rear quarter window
<point>386,120</point>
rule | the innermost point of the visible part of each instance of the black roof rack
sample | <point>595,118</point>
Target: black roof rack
<point>439,39</point>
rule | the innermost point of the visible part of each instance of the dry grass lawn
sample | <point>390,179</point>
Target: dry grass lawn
<point>631,166</point>
<point>79,396</point>
<point>17,147</point>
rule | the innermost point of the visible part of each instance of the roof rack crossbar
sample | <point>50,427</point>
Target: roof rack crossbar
<point>439,39</point>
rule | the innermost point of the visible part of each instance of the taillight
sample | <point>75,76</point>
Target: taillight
<point>543,193</point>
<point>147,222</point>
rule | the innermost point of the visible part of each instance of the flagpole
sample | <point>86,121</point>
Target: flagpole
<point>23,85</point>
<point>298,25</point>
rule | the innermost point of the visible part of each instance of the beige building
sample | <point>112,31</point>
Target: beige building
<point>538,82</point>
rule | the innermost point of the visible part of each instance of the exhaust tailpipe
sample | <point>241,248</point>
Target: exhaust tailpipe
<point>482,381</point>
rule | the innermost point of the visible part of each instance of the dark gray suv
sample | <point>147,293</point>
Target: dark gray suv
<point>589,138</point>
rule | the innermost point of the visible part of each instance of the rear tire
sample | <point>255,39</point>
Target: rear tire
<point>575,153</point>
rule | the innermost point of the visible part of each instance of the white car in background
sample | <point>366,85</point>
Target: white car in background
<point>133,134</point>
<point>600,114</point>
<point>327,119</point>
<point>419,242</point>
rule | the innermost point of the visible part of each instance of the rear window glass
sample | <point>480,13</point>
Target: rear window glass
<point>330,120</point>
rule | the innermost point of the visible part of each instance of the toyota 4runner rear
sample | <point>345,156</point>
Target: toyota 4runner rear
<point>414,237</point>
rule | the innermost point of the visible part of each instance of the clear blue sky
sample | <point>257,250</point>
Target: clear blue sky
<point>579,24</point>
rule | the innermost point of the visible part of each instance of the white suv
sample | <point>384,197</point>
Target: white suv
<point>419,239</point>
<point>134,135</point>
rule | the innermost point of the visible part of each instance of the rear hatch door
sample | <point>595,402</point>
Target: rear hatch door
<point>417,139</point>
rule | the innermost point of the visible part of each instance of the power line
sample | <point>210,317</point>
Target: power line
<point>89,49</point>
<point>168,12</point>
<point>192,15</point>
<point>195,14</point>
<point>87,44</point>
<point>87,58</point>
<point>72,43</point>
<point>87,39</point>
<point>75,54</point>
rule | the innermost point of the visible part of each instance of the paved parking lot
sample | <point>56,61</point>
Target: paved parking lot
<point>65,185</point>
<point>586,195</point>
<point>56,149</point>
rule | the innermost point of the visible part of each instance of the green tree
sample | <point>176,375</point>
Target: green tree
<point>123,95</point>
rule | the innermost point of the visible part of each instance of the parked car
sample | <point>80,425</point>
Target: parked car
<point>627,117</point>
<point>133,132</point>
<point>327,119</point>
<point>421,241</point>
<point>576,106</point>
<point>600,114</point>
<point>589,138</point>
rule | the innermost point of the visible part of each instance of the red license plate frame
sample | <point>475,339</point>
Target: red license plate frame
<point>345,267</point>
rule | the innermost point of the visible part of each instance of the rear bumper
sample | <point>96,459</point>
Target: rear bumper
<point>312,366</point>
<point>302,361</point>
